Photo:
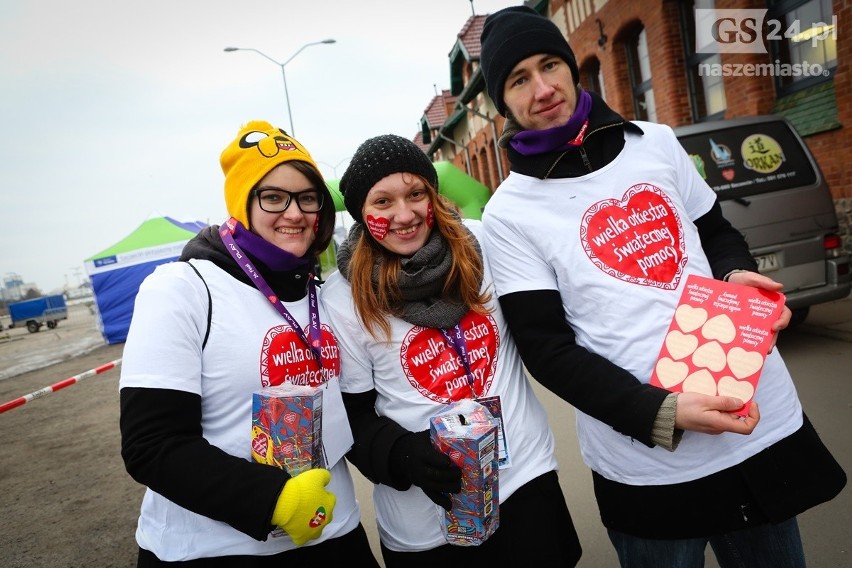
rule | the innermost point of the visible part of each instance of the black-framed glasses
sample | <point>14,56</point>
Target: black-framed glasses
<point>273,200</point>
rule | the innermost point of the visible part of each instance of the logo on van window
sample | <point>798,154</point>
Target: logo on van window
<point>699,165</point>
<point>721,154</point>
<point>762,154</point>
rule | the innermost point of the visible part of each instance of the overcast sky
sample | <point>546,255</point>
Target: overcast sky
<point>112,111</point>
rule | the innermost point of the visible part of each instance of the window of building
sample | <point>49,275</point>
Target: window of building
<point>485,166</point>
<point>806,35</point>
<point>591,77</point>
<point>639,68</point>
<point>706,92</point>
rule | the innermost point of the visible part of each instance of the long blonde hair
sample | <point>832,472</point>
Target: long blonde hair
<point>374,304</point>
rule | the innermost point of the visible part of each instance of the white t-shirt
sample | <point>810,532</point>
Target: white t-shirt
<point>618,245</point>
<point>415,375</point>
<point>243,354</point>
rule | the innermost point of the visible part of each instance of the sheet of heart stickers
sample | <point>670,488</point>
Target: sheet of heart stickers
<point>718,339</point>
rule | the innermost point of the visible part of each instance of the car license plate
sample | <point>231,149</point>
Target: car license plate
<point>767,263</point>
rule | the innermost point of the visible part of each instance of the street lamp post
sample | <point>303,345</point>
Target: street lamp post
<point>334,168</point>
<point>283,73</point>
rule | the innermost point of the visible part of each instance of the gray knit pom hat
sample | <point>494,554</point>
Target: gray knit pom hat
<point>376,159</point>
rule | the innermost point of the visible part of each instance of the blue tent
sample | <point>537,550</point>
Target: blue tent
<point>117,272</point>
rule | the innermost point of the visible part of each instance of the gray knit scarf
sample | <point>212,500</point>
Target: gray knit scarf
<point>421,280</point>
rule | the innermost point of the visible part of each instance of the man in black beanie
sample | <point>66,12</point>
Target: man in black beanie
<point>591,238</point>
<point>514,34</point>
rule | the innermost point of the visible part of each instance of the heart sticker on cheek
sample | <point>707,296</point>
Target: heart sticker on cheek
<point>316,225</point>
<point>378,227</point>
<point>430,217</point>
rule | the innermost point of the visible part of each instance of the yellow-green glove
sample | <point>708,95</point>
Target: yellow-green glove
<point>304,507</point>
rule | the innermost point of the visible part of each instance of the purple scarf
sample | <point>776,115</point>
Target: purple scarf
<point>565,137</point>
<point>274,258</point>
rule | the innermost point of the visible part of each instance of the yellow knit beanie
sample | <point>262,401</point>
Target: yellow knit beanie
<point>257,149</point>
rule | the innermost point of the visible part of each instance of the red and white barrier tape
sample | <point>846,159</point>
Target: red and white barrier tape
<point>57,386</point>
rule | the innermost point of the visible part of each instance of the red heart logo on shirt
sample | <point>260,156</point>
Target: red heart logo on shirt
<point>637,239</point>
<point>435,368</point>
<point>285,357</point>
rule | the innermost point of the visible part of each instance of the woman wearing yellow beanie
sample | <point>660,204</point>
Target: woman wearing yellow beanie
<point>241,313</point>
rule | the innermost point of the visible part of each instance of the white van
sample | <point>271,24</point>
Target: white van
<point>772,190</point>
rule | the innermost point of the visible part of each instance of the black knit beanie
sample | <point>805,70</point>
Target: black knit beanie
<point>512,34</point>
<point>376,159</point>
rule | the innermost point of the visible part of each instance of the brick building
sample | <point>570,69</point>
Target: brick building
<point>641,56</point>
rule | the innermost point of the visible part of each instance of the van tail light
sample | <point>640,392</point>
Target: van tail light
<point>832,244</point>
<point>832,241</point>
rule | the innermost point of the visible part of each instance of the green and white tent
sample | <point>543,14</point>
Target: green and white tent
<point>116,272</point>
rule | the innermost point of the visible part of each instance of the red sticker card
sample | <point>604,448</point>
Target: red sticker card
<point>718,339</point>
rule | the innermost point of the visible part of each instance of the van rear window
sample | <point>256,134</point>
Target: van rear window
<point>745,160</point>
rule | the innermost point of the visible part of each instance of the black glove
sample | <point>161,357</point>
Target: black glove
<point>414,457</point>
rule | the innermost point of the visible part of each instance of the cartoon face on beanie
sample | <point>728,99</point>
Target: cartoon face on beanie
<point>511,35</point>
<point>257,149</point>
<point>374,160</point>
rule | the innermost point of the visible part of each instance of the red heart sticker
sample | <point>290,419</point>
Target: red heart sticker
<point>728,174</point>
<point>637,239</point>
<point>287,448</point>
<point>378,226</point>
<point>260,444</point>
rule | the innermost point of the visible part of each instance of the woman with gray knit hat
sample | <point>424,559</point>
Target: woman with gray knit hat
<point>426,332</point>
<point>239,314</point>
<point>593,236</point>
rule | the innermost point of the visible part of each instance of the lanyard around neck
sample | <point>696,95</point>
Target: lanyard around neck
<point>457,342</point>
<point>227,234</point>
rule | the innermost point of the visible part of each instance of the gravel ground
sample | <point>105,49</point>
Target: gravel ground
<point>66,498</point>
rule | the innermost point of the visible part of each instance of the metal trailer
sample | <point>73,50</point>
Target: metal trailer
<point>37,312</point>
